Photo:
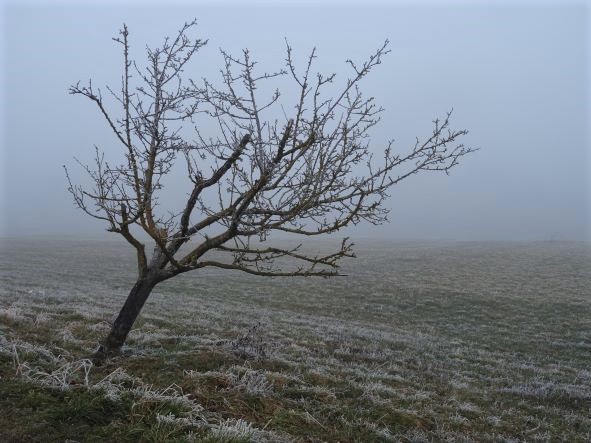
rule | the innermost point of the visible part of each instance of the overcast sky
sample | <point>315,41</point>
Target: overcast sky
<point>517,76</point>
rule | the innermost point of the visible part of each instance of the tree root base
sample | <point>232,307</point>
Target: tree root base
<point>102,355</point>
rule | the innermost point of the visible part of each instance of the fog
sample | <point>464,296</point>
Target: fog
<point>516,75</point>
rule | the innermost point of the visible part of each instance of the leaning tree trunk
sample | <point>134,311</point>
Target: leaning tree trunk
<point>126,318</point>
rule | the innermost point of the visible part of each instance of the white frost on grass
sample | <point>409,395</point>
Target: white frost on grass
<point>483,343</point>
<point>468,407</point>
<point>180,422</point>
<point>66,375</point>
<point>13,314</point>
<point>42,318</point>
<point>417,436</point>
<point>239,378</point>
<point>381,431</point>
<point>249,381</point>
<point>548,389</point>
<point>23,348</point>
<point>231,429</point>
<point>63,377</point>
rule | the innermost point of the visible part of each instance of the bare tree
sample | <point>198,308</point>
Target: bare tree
<point>305,170</point>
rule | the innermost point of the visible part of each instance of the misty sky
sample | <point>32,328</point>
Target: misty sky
<point>516,76</point>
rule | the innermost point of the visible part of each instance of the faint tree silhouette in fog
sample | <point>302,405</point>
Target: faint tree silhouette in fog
<point>299,164</point>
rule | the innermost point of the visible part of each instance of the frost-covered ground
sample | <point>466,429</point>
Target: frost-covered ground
<point>421,342</point>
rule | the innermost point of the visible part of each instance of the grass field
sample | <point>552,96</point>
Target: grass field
<point>420,342</point>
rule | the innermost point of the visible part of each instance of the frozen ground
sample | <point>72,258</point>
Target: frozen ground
<point>420,342</point>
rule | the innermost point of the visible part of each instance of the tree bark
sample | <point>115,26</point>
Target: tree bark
<point>125,320</point>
